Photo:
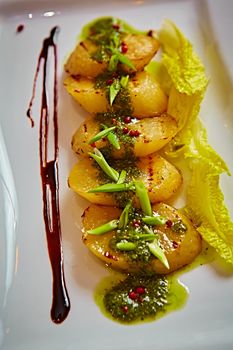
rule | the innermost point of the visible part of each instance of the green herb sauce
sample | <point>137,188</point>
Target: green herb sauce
<point>174,293</point>
<point>139,298</point>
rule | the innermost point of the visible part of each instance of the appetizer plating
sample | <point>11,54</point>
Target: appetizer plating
<point>139,108</point>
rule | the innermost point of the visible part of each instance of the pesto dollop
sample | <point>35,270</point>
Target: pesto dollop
<point>137,297</point>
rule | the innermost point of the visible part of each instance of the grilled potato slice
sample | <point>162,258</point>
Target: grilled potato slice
<point>140,50</point>
<point>154,133</point>
<point>80,62</point>
<point>179,248</point>
<point>146,96</point>
<point>160,177</point>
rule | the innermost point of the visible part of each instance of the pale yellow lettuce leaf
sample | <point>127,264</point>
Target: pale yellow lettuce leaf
<point>183,65</point>
<point>205,201</point>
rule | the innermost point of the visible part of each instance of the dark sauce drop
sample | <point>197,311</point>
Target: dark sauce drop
<point>50,180</point>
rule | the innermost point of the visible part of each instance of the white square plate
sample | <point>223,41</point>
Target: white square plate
<point>206,322</point>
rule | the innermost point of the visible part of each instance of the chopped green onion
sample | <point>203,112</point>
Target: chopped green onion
<point>158,253</point>
<point>124,59</point>
<point>118,57</point>
<point>154,220</point>
<point>101,134</point>
<point>109,226</point>
<point>124,81</point>
<point>143,196</point>
<point>99,158</point>
<point>113,139</point>
<point>112,188</point>
<point>125,245</point>
<point>112,65</point>
<point>124,218</point>
<point>114,90</point>
<point>146,236</point>
<point>122,176</point>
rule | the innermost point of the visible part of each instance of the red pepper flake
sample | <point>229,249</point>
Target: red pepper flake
<point>134,133</point>
<point>169,223</point>
<point>140,290</point>
<point>114,121</point>
<point>125,130</point>
<point>127,120</point>
<point>124,47</point>
<point>175,244</point>
<point>125,308</point>
<point>93,144</point>
<point>20,28</point>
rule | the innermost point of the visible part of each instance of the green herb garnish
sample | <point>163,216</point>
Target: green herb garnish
<point>143,196</point>
<point>113,187</point>
<point>158,253</point>
<point>109,226</point>
<point>125,245</point>
<point>122,177</point>
<point>101,135</point>
<point>99,158</point>
<point>124,218</point>
<point>154,220</point>
<point>114,90</point>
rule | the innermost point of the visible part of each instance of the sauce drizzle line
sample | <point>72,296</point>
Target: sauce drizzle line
<point>50,181</point>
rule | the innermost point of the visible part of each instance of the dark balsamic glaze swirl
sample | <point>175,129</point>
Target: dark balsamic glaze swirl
<point>50,181</point>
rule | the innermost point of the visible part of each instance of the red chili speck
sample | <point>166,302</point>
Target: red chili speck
<point>140,290</point>
<point>125,130</point>
<point>109,81</point>
<point>169,223</point>
<point>175,244</point>
<point>134,133</point>
<point>93,145</point>
<point>133,295</point>
<point>124,47</point>
<point>127,120</point>
<point>125,308</point>
<point>114,121</point>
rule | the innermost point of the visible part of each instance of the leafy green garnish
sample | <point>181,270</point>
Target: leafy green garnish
<point>124,81</point>
<point>125,245</point>
<point>143,196</point>
<point>154,220</point>
<point>205,201</point>
<point>158,253</point>
<point>99,158</point>
<point>114,90</point>
<point>115,187</point>
<point>101,135</point>
<point>100,230</point>
<point>124,218</point>
<point>122,176</point>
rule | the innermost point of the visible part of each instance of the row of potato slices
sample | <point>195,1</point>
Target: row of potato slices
<point>161,178</point>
